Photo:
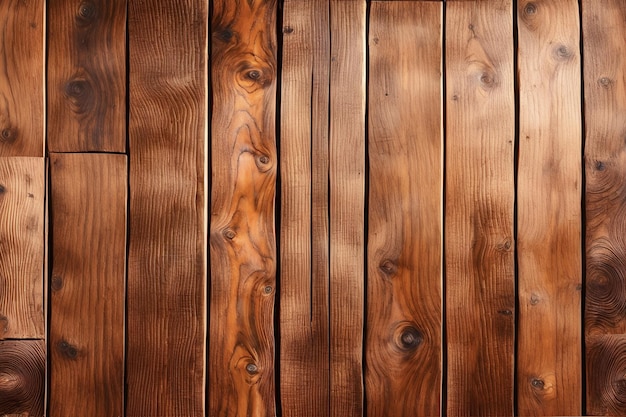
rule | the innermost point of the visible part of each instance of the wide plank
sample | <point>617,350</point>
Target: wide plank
<point>22,377</point>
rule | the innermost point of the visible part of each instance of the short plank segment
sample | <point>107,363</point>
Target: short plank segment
<point>604,33</point>
<point>304,356</point>
<point>88,254</point>
<point>242,240</point>
<point>166,311</point>
<point>86,75</point>
<point>403,345</point>
<point>479,208</point>
<point>22,377</point>
<point>549,378</point>
<point>22,247</point>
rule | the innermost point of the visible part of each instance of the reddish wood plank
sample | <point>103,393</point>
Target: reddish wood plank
<point>403,345</point>
<point>88,254</point>
<point>86,75</point>
<point>22,377</point>
<point>166,313</point>
<point>22,247</point>
<point>22,78</point>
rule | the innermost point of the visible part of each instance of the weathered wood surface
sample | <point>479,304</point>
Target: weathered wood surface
<point>88,254</point>
<point>22,78</point>
<point>549,209</point>
<point>21,247</point>
<point>403,345</point>
<point>604,34</point>
<point>86,75</point>
<point>480,190</point>
<point>304,238</point>
<point>22,377</point>
<point>166,307</point>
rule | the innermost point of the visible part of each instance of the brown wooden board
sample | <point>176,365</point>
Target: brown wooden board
<point>242,239</point>
<point>22,78</point>
<point>87,284</point>
<point>22,247</point>
<point>479,202</point>
<point>22,377</point>
<point>604,34</point>
<point>166,310</point>
<point>549,375</point>
<point>86,75</point>
<point>403,345</point>
<point>304,354</point>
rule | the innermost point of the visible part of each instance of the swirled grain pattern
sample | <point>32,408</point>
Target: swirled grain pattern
<point>606,363</point>
<point>22,377</point>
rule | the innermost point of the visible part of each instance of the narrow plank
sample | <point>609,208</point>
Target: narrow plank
<point>347,205</point>
<point>479,255</point>
<point>22,247</point>
<point>22,78</point>
<point>242,240</point>
<point>166,313</point>
<point>88,262</point>
<point>604,33</point>
<point>549,209</point>
<point>304,354</point>
<point>22,377</point>
<point>86,75</point>
<point>403,345</point>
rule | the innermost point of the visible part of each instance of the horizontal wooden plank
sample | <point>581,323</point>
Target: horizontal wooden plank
<point>22,377</point>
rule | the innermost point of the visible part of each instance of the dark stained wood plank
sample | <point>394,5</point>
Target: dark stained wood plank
<point>242,239</point>
<point>304,355</point>
<point>87,284</point>
<point>22,377</point>
<point>22,247</point>
<point>403,345</point>
<point>166,312</point>
<point>549,210</point>
<point>604,34</point>
<point>86,75</point>
<point>479,254</point>
<point>22,57</point>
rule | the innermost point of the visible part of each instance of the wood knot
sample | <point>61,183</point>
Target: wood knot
<point>505,312</point>
<point>487,80</point>
<point>79,92</point>
<point>537,383</point>
<point>8,135</point>
<point>287,29</point>
<point>67,350</point>
<point>605,82</point>
<point>229,233</point>
<point>252,369</point>
<point>2,189</point>
<point>267,290</point>
<point>224,35</point>
<point>388,267</point>
<point>530,9</point>
<point>56,283</point>
<point>600,166</point>
<point>407,337</point>
<point>87,13</point>
<point>534,299</point>
<point>562,53</point>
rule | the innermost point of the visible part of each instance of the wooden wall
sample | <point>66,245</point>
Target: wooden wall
<point>312,208</point>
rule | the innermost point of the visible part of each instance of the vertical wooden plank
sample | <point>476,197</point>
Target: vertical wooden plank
<point>22,78</point>
<point>480,193</point>
<point>242,242</point>
<point>549,209</point>
<point>403,345</point>
<point>86,75</point>
<point>304,356</point>
<point>604,34</point>
<point>167,245</point>
<point>88,254</point>
<point>22,377</point>
<point>347,205</point>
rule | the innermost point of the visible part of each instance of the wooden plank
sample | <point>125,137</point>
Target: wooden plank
<point>403,345</point>
<point>22,78</point>
<point>22,377</point>
<point>347,205</point>
<point>88,254</point>
<point>22,247</point>
<point>242,250</point>
<point>604,32</point>
<point>86,75</point>
<point>166,313</point>
<point>549,209</point>
<point>480,191</point>
<point>304,354</point>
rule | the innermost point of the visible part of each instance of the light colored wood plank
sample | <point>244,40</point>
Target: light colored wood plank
<point>22,377</point>
<point>166,313</point>
<point>403,345</point>
<point>480,192</point>
<point>88,262</point>
<point>22,202</point>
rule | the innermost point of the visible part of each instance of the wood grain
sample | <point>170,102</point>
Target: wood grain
<point>22,57</point>
<point>403,345</point>
<point>166,312</point>
<point>22,377</point>
<point>22,247</point>
<point>304,307</point>
<point>86,75</point>
<point>88,263</point>
<point>479,259</point>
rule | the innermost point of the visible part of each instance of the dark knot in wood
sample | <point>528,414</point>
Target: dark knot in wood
<point>67,350</point>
